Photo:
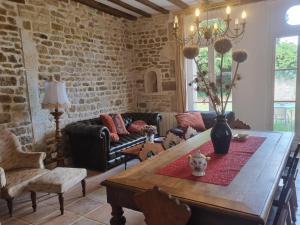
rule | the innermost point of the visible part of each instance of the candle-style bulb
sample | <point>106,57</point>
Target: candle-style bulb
<point>192,28</point>
<point>228,10</point>
<point>175,22</point>
<point>236,21</point>
<point>215,26</point>
<point>197,12</point>
<point>176,19</point>
<point>244,15</point>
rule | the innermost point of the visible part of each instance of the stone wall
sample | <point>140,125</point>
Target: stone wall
<point>14,108</point>
<point>87,49</point>
<point>104,61</point>
<point>154,50</point>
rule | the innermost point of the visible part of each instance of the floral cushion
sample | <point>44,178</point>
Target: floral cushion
<point>171,140</point>
<point>190,119</point>
<point>17,181</point>
<point>58,180</point>
<point>119,123</point>
<point>190,132</point>
<point>109,123</point>
<point>137,126</point>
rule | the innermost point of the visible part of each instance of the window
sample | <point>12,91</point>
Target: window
<point>200,100</point>
<point>209,60</point>
<point>285,83</point>
<point>293,15</point>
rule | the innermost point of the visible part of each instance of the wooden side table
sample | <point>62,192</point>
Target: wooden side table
<point>142,151</point>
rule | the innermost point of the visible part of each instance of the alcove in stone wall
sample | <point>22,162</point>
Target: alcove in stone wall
<point>152,81</point>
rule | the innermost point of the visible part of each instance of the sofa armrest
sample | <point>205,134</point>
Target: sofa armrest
<point>31,160</point>
<point>209,118</point>
<point>149,118</point>
<point>89,144</point>
<point>2,178</point>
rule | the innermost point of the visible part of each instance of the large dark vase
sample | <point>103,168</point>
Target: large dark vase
<point>221,135</point>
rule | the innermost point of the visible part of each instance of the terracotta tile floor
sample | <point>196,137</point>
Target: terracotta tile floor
<point>91,210</point>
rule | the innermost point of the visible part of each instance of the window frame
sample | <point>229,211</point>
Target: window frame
<point>191,70</point>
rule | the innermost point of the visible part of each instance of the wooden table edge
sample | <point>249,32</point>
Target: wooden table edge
<point>214,208</point>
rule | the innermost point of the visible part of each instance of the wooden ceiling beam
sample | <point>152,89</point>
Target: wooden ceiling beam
<point>130,7</point>
<point>18,1</point>
<point>153,6</point>
<point>107,9</point>
<point>179,3</point>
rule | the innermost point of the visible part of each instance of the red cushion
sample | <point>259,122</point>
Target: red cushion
<point>137,126</point>
<point>190,119</point>
<point>109,123</point>
<point>119,123</point>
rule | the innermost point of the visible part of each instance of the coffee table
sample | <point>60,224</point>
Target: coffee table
<point>142,151</point>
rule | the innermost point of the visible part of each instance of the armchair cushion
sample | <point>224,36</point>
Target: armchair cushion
<point>12,156</point>
<point>2,178</point>
<point>17,181</point>
<point>32,159</point>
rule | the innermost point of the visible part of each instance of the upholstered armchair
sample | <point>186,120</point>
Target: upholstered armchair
<point>17,168</point>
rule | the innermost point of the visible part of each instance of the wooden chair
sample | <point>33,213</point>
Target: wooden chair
<point>170,210</point>
<point>17,168</point>
<point>238,124</point>
<point>280,213</point>
<point>292,169</point>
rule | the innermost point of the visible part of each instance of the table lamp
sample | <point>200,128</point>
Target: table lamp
<point>56,99</point>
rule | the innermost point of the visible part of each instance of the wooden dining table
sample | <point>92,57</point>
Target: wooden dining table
<point>247,200</point>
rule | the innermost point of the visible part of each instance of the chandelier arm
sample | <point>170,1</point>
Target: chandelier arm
<point>230,34</point>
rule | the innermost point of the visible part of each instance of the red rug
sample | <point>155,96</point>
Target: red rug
<point>221,169</point>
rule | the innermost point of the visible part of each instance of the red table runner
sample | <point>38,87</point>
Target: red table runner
<point>221,169</point>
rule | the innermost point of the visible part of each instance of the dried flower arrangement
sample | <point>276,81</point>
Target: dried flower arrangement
<point>218,92</point>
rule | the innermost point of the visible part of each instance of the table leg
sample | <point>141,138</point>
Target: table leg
<point>125,161</point>
<point>9,202</point>
<point>61,203</point>
<point>83,185</point>
<point>33,200</point>
<point>117,216</point>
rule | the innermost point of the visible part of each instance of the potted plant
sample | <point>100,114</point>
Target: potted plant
<point>218,92</point>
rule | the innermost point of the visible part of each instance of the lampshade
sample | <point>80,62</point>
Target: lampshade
<point>55,96</point>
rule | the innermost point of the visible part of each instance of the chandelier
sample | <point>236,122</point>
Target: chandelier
<point>204,32</point>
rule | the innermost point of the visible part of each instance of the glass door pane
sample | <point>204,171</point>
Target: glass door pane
<point>285,83</point>
<point>227,66</point>
<point>201,101</point>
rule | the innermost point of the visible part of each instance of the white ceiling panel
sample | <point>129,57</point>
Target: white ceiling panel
<point>140,6</point>
<point>115,6</point>
<point>165,4</point>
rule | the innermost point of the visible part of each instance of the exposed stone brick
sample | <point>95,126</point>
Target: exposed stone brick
<point>8,27</point>
<point>3,11</point>
<point>8,81</point>
<point>19,99</point>
<point>5,99</point>
<point>2,57</point>
<point>5,118</point>
<point>26,25</point>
